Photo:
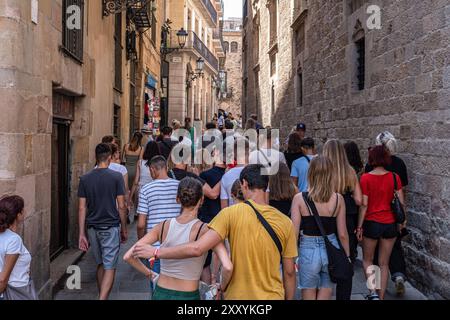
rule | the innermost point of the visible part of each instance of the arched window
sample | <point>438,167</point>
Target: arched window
<point>234,47</point>
<point>227,46</point>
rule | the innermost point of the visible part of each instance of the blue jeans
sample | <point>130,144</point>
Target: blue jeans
<point>313,262</point>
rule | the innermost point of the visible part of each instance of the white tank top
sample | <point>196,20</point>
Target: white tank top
<point>184,269</point>
<point>144,176</point>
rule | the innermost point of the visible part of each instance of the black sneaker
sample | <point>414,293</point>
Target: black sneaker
<point>373,296</point>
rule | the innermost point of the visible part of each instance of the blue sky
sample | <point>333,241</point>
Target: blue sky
<point>233,8</point>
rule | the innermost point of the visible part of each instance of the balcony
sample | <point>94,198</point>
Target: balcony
<point>197,44</point>
<point>209,10</point>
<point>218,42</point>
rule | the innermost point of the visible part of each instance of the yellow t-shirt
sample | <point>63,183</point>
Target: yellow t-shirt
<point>255,257</point>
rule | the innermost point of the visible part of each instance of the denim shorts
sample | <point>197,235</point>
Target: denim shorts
<point>313,262</point>
<point>105,245</point>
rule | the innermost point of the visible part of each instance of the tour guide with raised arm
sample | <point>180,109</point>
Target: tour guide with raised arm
<point>256,255</point>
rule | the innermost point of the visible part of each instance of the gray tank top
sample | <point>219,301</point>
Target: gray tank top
<point>184,269</point>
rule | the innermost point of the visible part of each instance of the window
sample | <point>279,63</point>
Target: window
<point>272,97</point>
<point>273,64</point>
<point>257,100</point>
<point>245,9</point>
<point>116,122</point>
<point>118,53</point>
<point>134,111</point>
<point>226,46</point>
<point>234,47</point>
<point>73,37</point>
<point>256,39</point>
<point>232,26</point>
<point>154,22</point>
<point>273,12</point>
<point>299,88</point>
<point>361,63</point>
<point>300,39</point>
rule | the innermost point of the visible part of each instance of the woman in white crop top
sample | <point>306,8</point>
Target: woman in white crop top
<point>179,278</point>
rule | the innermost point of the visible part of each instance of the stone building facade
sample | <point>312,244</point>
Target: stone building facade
<point>191,95</point>
<point>230,99</point>
<point>65,78</point>
<point>330,67</point>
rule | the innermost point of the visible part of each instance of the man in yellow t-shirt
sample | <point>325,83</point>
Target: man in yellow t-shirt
<point>256,258</point>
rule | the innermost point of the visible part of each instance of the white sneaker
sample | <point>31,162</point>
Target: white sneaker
<point>373,296</point>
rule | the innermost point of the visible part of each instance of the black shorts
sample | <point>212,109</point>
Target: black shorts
<point>375,230</point>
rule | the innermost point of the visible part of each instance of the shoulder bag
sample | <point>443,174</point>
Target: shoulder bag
<point>396,205</point>
<point>339,266</point>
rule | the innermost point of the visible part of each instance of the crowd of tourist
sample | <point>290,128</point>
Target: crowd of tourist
<point>256,221</point>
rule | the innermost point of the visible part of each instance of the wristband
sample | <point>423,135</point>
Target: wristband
<point>156,254</point>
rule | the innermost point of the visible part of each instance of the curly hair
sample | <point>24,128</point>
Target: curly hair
<point>10,207</point>
<point>190,192</point>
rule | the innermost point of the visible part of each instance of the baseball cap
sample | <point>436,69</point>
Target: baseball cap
<point>301,126</point>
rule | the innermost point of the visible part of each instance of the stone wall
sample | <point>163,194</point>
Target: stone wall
<point>233,67</point>
<point>407,91</point>
<point>32,68</point>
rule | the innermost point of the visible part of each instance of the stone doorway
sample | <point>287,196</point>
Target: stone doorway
<point>62,116</point>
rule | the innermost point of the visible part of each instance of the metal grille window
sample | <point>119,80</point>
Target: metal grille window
<point>118,52</point>
<point>300,89</point>
<point>116,122</point>
<point>134,111</point>
<point>153,17</point>
<point>361,62</point>
<point>273,12</point>
<point>73,28</point>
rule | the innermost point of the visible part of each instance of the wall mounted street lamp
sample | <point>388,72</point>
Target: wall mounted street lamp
<point>182,36</point>
<point>198,73</point>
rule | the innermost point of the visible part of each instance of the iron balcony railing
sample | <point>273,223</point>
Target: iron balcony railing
<point>203,50</point>
<point>211,9</point>
<point>218,35</point>
<point>193,42</point>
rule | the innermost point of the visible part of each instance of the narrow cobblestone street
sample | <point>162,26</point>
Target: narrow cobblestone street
<point>130,285</point>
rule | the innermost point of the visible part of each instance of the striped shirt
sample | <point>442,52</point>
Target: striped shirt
<point>158,201</point>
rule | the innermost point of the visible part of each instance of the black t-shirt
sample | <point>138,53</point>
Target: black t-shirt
<point>291,157</point>
<point>101,187</point>
<point>284,206</point>
<point>397,166</point>
<point>166,146</point>
<point>181,174</point>
<point>211,207</point>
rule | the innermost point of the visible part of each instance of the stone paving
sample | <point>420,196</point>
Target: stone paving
<point>131,285</point>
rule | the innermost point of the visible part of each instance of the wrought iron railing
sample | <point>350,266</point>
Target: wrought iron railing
<point>193,42</point>
<point>203,50</point>
<point>211,9</point>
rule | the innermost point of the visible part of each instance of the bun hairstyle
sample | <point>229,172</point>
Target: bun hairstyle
<point>10,207</point>
<point>190,191</point>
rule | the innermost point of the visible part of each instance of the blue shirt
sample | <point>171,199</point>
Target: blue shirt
<point>299,170</point>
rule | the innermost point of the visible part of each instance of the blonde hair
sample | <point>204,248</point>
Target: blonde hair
<point>343,173</point>
<point>320,178</point>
